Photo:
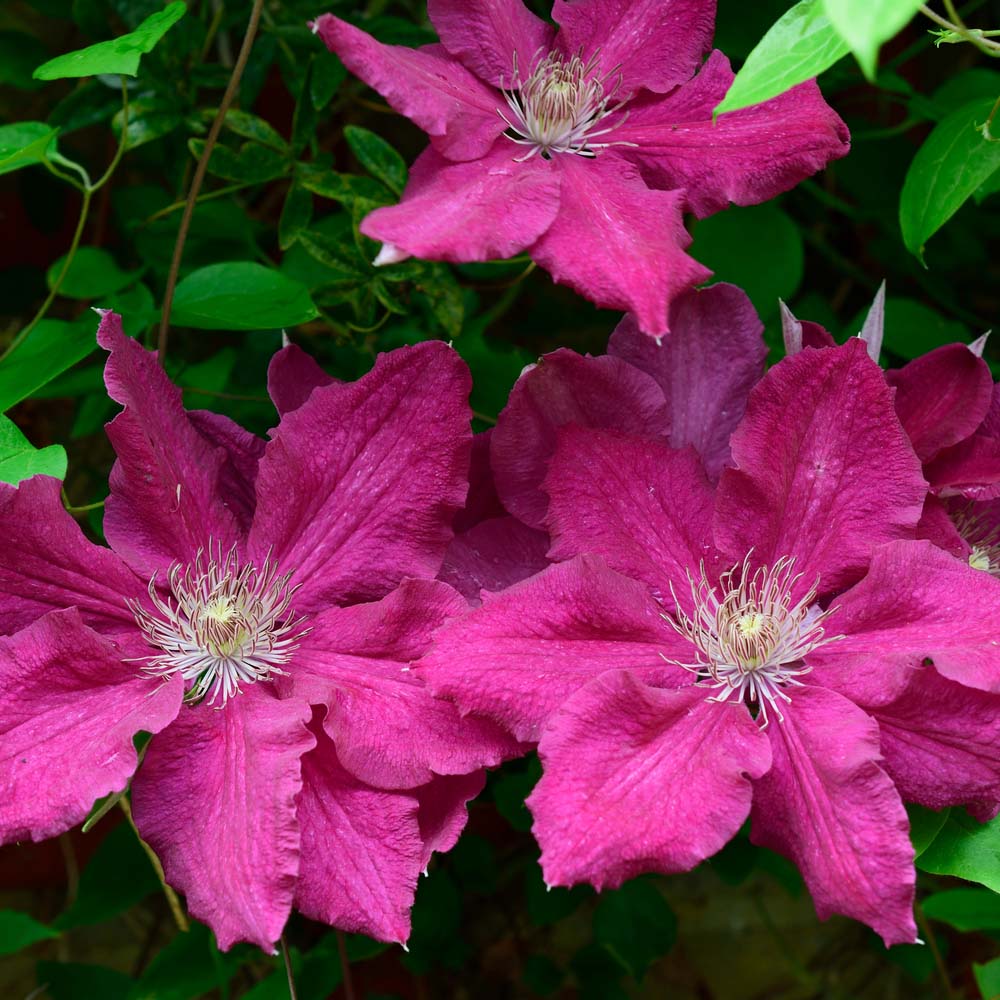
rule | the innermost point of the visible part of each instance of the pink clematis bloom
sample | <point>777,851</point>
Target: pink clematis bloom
<point>582,146</point>
<point>703,653</point>
<point>256,612</point>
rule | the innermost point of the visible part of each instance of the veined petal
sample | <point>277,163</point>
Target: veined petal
<point>215,799</point>
<point>828,806</point>
<point>291,377</point>
<point>444,810</point>
<point>637,779</point>
<point>69,708</point>
<point>970,468</point>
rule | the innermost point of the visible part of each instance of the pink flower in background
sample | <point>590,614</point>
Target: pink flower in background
<point>794,590</point>
<point>582,146</point>
<point>257,612</point>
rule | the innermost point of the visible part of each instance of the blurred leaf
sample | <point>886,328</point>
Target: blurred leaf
<point>955,159</point>
<point>734,863</point>
<point>19,459</point>
<point>496,365</point>
<point>916,960</point>
<point>117,877</point>
<point>119,55</point>
<point>542,976</point>
<point>135,305</point>
<point>377,157</point>
<point>92,274</point>
<point>304,119</point>
<point>345,188</point>
<point>965,909</point>
<point>598,973</point>
<point>252,164</point>
<point>966,849</point>
<point>149,119</point>
<point>443,295</point>
<point>974,84</point>
<point>798,46</point>
<point>988,978</point>
<point>241,296</point>
<point>338,256</point>
<point>296,214</point>
<point>912,329</point>
<point>547,906</point>
<point>866,24</point>
<point>474,863</point>
<point>23,144</point>
<point>18,930</point>
<point>20,53</point>
<point>924,826</point>
<point>327,76</point>
<point>253,127</point>
<point>436,938</point>
<point>75,981</point>
<point>511,787</point>
<point>635,924</point>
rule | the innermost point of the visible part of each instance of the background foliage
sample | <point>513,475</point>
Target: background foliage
<point>304,155</point>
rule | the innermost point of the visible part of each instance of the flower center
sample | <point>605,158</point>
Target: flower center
<point>560,105</point>
<point>223,624</point>
<point>752,639</point>
<point>983,538</point>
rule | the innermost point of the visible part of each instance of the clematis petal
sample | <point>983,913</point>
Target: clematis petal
<point>744,157</point>
<point>942,397</point>
<point>706,366</point>
<point>937,526</point>
<point>291,377</point>
<point>492,207</point>
<point>166,500</point>
<point>493,555</point>
<point>617,242</point>
<point>444,810</point>
<point>916,602</point>
<point>970,468</point>
<point>487,36</point>
<point>358,486</point>
<point>428,85</point>
<point>389,730</point>
<point>823,470</point>
<point>655,44</point>
<point>638,779</point>
<point>528,648</point>
<point>482,502</point>
<point>46,563</point>
<point>798,334</point>
<point>69,708</point>
<point>361,849</point>
<point>215,799</point>
<point>565,388</point>
<point>941,743</point>
<point>644,507</point>
<point>828,806</point>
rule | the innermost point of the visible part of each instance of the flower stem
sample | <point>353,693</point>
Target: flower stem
<point>345,966</point>
<point>288,969</point>
<point>958,27</point>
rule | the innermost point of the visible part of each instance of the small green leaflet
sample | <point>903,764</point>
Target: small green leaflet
<point>23,144</point>
<point>801,44</point>
<point>19,459</point>
<point>866,24</point>
<point>118,55</point>
<point>18,930</point>
<point>955,159</point>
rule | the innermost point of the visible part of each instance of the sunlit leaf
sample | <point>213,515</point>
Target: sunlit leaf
<point>866,24</point>
<point>19,459</point>
<point>23,144</point>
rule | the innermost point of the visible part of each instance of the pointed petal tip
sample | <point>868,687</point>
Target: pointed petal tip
<point>979,344</point>
<point>389,253</point>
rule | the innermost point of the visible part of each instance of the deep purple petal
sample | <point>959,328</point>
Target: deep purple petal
<point>215,798</point>
<point>358,486</point>
<point>520,655</point>
<point>706,366</point>
<point>291,377</point>
<point>824,471</point>
<point>828,806</point>
<point>565,388</point>
<point>482,503</point>
<point>970,469</point>
<point>69,708</point>
<point>637,779</point>
<point>744,157</point>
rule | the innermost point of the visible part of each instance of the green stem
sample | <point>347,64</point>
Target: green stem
<point>288,969</point>
<point>958,27</point>
<point>178,205</point>
<point>122,143</point>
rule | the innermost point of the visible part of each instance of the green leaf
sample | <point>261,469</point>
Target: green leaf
<point>965,909</point>
<point>345,188</point>
<point>338,256</point>
<point>305,117</point>
<point>925,824</point>
<point>51,348</point>
<point>296,214</point>
<point>635,924</point>
<point>801,44</point>
<point>251,164</point>
<point>117,56</point>
<point>19,55</point>
<point>19,459</point>
<point>75,981</point>
<point>912,329</point>
<point>149,119</point>
<point>966,849</point>
<point>92,274</point>
<point>377,157</point>
<point>955,159</point>
<point>254,127</point>
<point>241,296</point>
<point>23,144</point>
<point>866,24</point>
<point>988,978</point>
<point>18,930</point>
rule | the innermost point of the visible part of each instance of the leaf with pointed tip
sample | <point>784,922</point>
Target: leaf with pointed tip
<point>23,143</point>
<point>866,24</point>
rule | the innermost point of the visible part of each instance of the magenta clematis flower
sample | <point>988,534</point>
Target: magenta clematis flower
<point>256,612</point>
<point>704,653</point>
<point>582,145</point>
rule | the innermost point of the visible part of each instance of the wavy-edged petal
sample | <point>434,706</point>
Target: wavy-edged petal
<point>828,806</point>
<point>358,486</point>
<point>744,157</point>
<point>215,799</point>
<point>639,779</point>
<point>291,377</point>
<point>823,470</point>
<point>361,849</point>
<point>444,810</point>
<point>428,85</point>
<point>166,499</point>
<point>617,242</point>
<point>528,648</point>
<point>566,388</point>
<point>706,366</point>
<point>970,468</point>
<point>69,708</point>
<point>489,208</point>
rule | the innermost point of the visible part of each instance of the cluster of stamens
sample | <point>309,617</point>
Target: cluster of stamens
<point>223,624</point>
<point>560,105</point>
<point>753,639</point>
<point>983,537</point>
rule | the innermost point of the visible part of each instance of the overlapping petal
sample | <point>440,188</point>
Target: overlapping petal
<point>444,809</point>
<point>291,377</point>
